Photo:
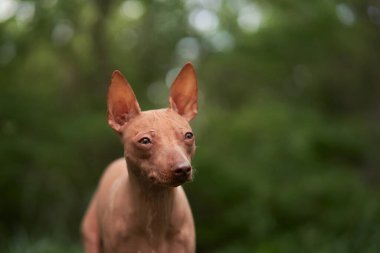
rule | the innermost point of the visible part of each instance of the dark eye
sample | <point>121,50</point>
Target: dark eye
<point>145,141</point>
<point>189,136</point>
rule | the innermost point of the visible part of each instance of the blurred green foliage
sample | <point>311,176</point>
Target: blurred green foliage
<point>287,159</point>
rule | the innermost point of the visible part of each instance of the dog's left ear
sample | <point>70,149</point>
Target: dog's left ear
<point>121,102</point>
<point>184,93</point>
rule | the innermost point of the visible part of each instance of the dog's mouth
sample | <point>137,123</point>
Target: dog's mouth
<point>181,180</point>
<point>171,181</point>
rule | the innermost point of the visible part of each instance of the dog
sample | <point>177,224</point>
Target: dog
<point>139,204</point>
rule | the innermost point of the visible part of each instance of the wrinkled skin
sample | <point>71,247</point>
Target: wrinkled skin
<point>169,147</point>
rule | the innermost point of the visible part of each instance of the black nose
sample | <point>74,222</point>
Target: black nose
<point>182,170</point>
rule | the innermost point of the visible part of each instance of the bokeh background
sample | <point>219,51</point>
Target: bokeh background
<point>288,133</point>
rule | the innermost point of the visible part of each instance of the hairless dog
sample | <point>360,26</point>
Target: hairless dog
<point>139,205</point>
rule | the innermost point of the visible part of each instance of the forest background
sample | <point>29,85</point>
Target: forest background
<point>288,131</point>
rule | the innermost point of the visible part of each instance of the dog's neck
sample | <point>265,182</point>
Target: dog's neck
<point>153,203</point>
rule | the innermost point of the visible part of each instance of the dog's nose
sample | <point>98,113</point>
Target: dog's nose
<point>182,169</point>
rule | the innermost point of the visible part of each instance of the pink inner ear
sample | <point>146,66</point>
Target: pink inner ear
<point>119,112</point>
<point>181,103</point>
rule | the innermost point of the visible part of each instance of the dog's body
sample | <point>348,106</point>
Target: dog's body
<point>139,205</point>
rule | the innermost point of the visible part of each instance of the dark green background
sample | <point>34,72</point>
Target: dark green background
<point>288,131</point>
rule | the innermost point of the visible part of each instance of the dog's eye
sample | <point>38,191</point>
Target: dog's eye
<point>145,141</point>
<point>189,136</point>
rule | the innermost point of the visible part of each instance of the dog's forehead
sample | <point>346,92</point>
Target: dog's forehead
<point>161,120</point>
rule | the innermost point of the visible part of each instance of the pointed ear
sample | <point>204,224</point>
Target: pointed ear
<point>184,93</point>
<point>121,102</point>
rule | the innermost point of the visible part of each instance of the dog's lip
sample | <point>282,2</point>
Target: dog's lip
<point>184,179</point>
<point>172,181</point>
<point>177,181</point>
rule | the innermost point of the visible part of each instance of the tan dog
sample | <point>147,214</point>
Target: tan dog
<point>139,205</point>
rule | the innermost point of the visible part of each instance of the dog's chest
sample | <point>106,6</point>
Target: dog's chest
<point>123,238</point>
<point>142,232</point>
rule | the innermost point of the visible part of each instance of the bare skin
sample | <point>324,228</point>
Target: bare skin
<point>139,205</point>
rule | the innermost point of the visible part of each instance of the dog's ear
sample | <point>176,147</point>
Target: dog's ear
<point>184,93</point>
<point>122,103</point>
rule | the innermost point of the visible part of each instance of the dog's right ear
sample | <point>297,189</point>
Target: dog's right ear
<point>122,103</point>
<point>184,93</point>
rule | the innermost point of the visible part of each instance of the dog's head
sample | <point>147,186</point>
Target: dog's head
<point>158,144</point>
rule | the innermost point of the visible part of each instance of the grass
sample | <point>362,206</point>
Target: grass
<point>24,244</point>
